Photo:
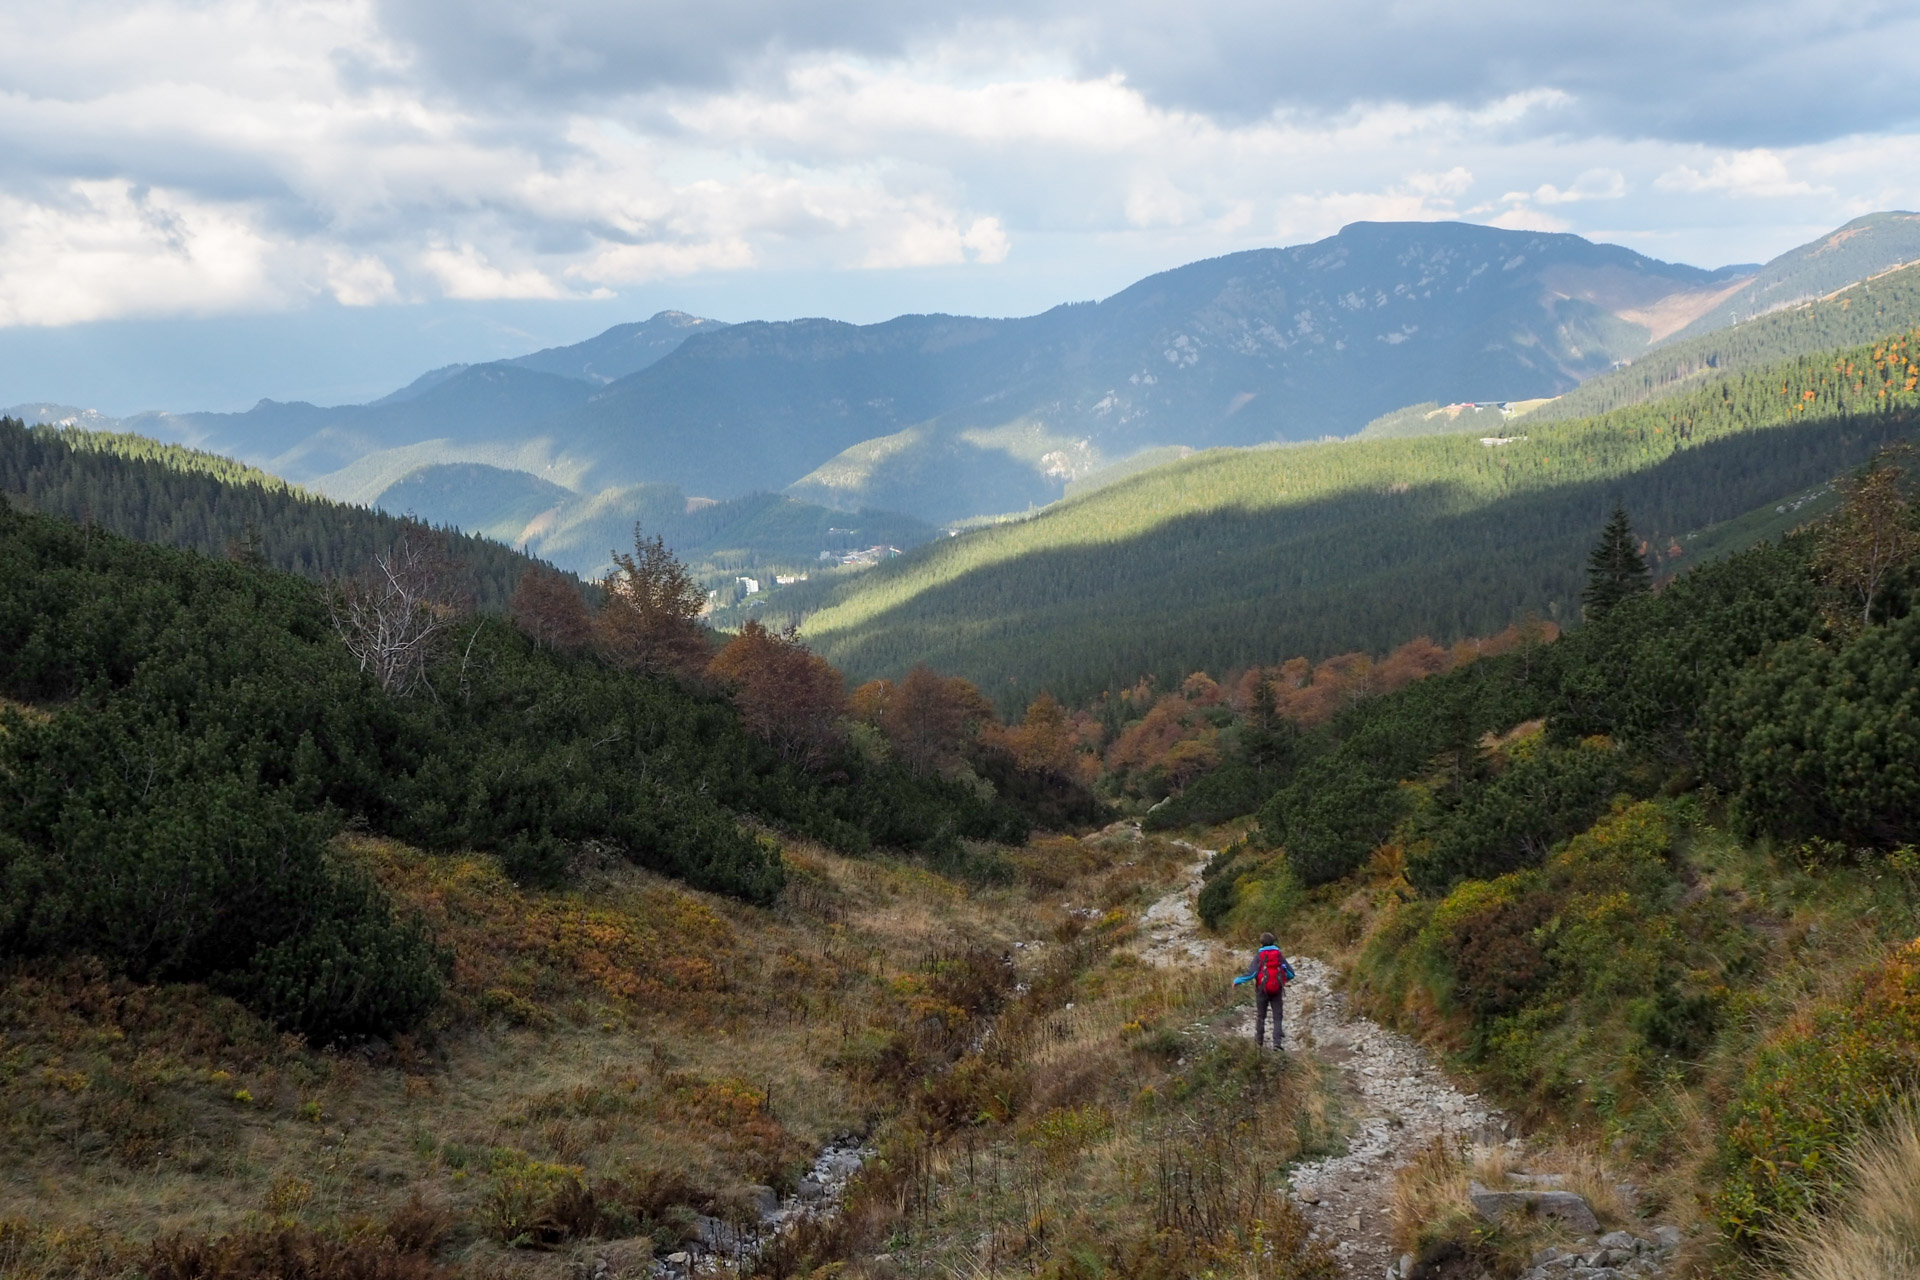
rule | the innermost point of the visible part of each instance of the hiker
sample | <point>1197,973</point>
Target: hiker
<point>1269,973</point>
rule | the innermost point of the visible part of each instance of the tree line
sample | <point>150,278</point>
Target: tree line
<point>179,497</point>
<point>1858,314</point>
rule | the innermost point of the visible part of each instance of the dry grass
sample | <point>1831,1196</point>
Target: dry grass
<point>1583,1172</point>
<point>1429,1193</point>
<point>1433,1216</point>
<point>601,1038</point>
<point>1136,1142</point>
<point>616,1058</point>
<point>1876,1233</point>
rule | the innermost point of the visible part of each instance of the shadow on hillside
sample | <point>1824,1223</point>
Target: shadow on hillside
<point>1360,571</point>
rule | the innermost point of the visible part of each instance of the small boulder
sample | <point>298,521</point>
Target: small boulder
<point>1620,1240</point>
<point>1564,1207</point>
<point>810,1190</point>
<point>716,1234</point>
<point>765,1200</point>
<point>1668,1237</point>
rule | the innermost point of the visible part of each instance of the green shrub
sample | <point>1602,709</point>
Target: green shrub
<point>1331,817</point>
<point>1585,981</point>
<point>1218,883</point>
<point>1819,741</point>
<point>212,730</point>
<point>1820,1084</point>
<point>1232,790</point>
<point>1498,822</point>
<point>1485,932</point>
<point>177,871</point>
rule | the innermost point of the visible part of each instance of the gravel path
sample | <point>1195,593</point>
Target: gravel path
<point>1396,1098</point>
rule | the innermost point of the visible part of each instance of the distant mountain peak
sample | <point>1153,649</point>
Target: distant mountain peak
<point>621,351</point>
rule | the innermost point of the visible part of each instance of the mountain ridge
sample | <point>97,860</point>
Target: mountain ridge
<point>957,417</point>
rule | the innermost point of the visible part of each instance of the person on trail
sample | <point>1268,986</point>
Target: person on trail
<point>1269,973</point>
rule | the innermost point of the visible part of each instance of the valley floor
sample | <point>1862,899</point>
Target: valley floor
<point>1047,1072</point>
<point>626,1070</point>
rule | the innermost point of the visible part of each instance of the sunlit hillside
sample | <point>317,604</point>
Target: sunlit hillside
<point>1239,556</point>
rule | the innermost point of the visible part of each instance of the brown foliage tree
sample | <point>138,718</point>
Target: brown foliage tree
<point>1168,747</point>
<point>1045,741</point>
<point>649,622</point>
<point>1871,535</point>
<point>929,719</point>
<point>786,693</point>
<point>549,609</point>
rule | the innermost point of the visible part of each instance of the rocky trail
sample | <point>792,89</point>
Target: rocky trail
<point>1397,1099</point>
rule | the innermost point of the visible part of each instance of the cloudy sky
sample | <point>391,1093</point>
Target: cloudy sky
<point>320,198</point>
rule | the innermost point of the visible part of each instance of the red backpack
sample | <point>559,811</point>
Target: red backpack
<point>1273,973</point>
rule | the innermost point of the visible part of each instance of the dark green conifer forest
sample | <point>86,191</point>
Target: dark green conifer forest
<point>1239,557</point>
<point>178,497</point>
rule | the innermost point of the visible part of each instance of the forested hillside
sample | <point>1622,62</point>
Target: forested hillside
<point>208,725</point>
<point>1886,304</point>
<point>196,501</point>
<point>761,534</point>
<point>1864,247</point>
<point>1234,558</point>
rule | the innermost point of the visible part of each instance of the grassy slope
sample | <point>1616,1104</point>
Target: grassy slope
<point>1864,246</point>
<point>668,1049</point>
<point>1236,556</point>
<point>1772,939</point>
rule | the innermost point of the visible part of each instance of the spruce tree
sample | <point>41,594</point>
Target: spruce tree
<point>1615,569</point>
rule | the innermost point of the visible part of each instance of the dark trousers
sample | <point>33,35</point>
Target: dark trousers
<point>1262,1001</point>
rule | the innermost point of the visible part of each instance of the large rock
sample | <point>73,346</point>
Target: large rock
<point>1564,1207</point>
<point>718,1234</point>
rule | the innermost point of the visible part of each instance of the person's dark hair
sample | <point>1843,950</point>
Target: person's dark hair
<point>1266,939</point>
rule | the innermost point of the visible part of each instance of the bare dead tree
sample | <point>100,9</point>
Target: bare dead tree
<point>391,615</point>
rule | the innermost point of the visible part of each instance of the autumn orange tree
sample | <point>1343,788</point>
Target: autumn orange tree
<point>649,622</point>
<point>928,719</point>
<point>1046,741</point>
<point>787,695</point>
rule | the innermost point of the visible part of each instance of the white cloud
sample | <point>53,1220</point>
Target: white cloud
<point>1456,181</point>
<point>101,249</point>
<point>200,156</point>
<point>986,240</point>
<point>639,263</point>
<point>362,281</point>
<point>1594,184</point>
<point>1760,174</point>
<point>928,237</point>
<point>464,272</point>
<point>1524,218</point>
